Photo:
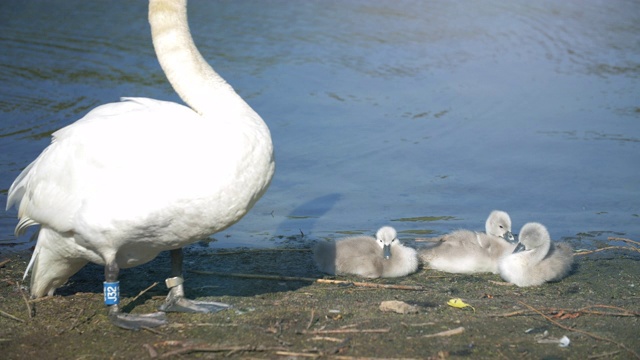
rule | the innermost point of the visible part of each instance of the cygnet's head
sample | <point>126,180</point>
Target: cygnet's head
<point>532,236</point>
<point>386,236</point>
<point>499,224</point>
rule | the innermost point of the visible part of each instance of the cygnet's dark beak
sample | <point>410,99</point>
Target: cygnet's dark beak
<point>509,237</point>
<point>519,247</point>
<point>386,251</point>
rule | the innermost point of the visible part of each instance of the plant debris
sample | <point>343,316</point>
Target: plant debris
<point>399,307</point>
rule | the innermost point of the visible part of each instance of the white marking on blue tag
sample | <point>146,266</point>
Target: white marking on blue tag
<point>112,293</point>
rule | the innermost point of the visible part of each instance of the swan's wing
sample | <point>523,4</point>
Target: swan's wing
<point>108,148</point>
<point>461,238</point>
<point>558,263</point>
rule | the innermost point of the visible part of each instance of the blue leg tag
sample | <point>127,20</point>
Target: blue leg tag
<point>112,293</point>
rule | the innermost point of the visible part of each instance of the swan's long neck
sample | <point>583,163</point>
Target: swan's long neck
<point>188,72</point>
<point>541,251</point>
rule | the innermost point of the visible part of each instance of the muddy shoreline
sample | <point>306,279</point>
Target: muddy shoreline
<point>598,306</point>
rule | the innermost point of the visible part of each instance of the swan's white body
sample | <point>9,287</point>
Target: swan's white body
<point>468,252</point>
<point>137,177</point>
<point>365,256</point>
<point>537,259</point>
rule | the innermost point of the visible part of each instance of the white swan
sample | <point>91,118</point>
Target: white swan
<point>536,259</point>
<point>137,177</point>
<point>382,256</point>
<point>499,224</point>
<point>468,252</point>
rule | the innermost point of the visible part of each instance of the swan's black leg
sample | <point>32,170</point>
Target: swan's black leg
<point>175,300</point>
<point>112,299</point>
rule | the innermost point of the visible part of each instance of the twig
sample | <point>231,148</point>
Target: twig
<point>607,355</point>
<point>587,252</point>
<point>325,338</point>
<point>26,301</point>
<point>41,299</point>
<point>311,319</point>
<point>297,354</point>
<point>152,330</point>
<point>597,337</point>
<point>75,323</point>
<point>205,348</point>
<point>346,331</point>
<point>509,314</point>
<point>144,291</point>
<point>420,324</point>
<point>456,331</point>
<point>585,310</point>
<point>10,316</point>
<point>314,280</point>
<point>501,283</point>
<point>4,262</point>
<point>611,238</point>
<point>624,312</point>
<point>629,241</point>
<point>153,353</point>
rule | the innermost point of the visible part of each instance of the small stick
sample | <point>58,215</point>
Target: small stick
<point>26,301</point>
<point>372,285</point>
<point>607,355</point>
<point>314,280</point>
<point>629,241</point>
<point>456,331</point>
<point>204,348</point>
<point>326,338</point>
<point>513,313</point>
<point>311,318</point>
<point>152,330</point>
<point>153,353</point>
<point>296,354</point>
<point>587,252</point>
<point>10,316</point>
<point>4,262</point>
<point>420,324</point>
<point>581,331</point>
<point>623,312</point>
<point>40,299</point>
<point>75,323</point>
<point>144,291</point>
<point>346,331</point>
<point>501,283</point>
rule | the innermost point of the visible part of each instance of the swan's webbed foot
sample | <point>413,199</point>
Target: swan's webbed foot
<point>112,299</point>
<point>183,304</point>
<point>135,321</point>
<point>177,302</point>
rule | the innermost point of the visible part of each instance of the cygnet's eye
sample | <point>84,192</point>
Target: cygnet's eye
<point>501,227</point>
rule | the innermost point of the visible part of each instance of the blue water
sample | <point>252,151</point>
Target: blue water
<point>425,115</point>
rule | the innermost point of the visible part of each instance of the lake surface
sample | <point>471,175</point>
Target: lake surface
<point>424,115</point>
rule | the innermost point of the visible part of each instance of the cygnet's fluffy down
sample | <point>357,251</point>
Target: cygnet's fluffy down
<point>468,252</point>
<point>382,256</point>
<point>536,259</point>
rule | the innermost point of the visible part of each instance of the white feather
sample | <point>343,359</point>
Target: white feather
<point>136,177</point>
